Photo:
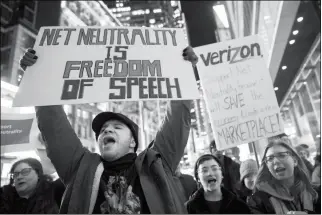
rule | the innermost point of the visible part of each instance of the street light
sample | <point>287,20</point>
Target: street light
<point>295,32</point>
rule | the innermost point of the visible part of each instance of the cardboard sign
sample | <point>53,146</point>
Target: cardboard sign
<point>99,64</point>
<point>239,92</point>
<point>16,132</point>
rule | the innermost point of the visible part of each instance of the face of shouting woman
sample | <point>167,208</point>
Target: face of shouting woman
<point>210,175</point>
<point>280,162</point>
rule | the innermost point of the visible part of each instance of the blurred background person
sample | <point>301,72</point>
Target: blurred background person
<point>231,175</point>
<point>186,183</point>
<point>212,197</point>
<point>303,151</point>
<point>283,184</point>
<point>316,175</point>
<point>30,191</point>
<point>248,173</point>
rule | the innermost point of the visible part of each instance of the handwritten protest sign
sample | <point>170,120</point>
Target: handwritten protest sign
<point>98,64</point>
<point>239,92</point>
<point>16,132</point>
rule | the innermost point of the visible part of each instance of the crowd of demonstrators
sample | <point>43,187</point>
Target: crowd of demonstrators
<point>30,191</point>
<point>231,175</point>
<point>186,183</point>
<point>212,197</point>
<point>248,174</point>
<point>283,184</point>
<point>118,181</point>
<point>316,175</point>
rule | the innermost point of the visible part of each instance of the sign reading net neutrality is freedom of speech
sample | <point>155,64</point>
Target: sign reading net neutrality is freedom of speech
<point>98,64</point>
<point>239,93</point>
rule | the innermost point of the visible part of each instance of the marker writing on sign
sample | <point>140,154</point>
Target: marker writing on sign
<point>123,74</point>
<point>110,36</point>
<point>242,132</point>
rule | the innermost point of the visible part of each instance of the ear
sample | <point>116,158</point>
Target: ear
<point>295,162</point>
<point>132,144</point>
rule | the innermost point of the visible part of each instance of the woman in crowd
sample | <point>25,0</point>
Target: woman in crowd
<point>30,191</point>
<point>248,173</point>
<point>211,197</point>
<point>283,185</point>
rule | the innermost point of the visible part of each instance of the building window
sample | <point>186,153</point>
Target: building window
<point>30,4</point>
<point>9,4</point>
<point>78,113</point>
<point>6,39</point>
<point>6,14</point>
<point>79,130</point>
<point>85,114</point>
<point>5,55</point>
<point>29,15</point>
<point>84,131</point>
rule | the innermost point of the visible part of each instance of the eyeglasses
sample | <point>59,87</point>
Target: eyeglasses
<point>280,156</point>
<point>206,170</point>
<point>23,172</point>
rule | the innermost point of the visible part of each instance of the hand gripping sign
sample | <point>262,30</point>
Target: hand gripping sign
<point>239,93</point>
<point>98,64</point>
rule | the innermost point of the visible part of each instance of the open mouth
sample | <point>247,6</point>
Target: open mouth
<point>280,169</point>
<point>108,140</point>
<point>20,183</point>
<point>212,180</point>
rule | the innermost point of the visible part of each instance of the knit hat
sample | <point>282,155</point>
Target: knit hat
<point>248,167</point>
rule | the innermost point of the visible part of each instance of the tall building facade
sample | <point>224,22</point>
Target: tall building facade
<point>147,13</point>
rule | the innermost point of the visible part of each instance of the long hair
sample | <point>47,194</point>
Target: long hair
<point>300,171</point>
<point>202,159</point>
<point>34,164</point>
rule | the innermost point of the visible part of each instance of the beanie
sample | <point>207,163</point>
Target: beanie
<point>247,167</point>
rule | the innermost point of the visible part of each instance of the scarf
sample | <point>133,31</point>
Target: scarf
<point>120,164</point>
<point>299,197</point>
<point>117,177</point>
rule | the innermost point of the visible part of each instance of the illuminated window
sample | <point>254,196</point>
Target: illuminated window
<point>78,112</point>
<point>85,114</point>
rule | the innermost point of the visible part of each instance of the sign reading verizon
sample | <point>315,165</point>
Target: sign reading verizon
<point>239,93</point>
<point>232,55</point>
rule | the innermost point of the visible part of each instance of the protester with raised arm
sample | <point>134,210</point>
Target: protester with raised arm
<point>118,181</point>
